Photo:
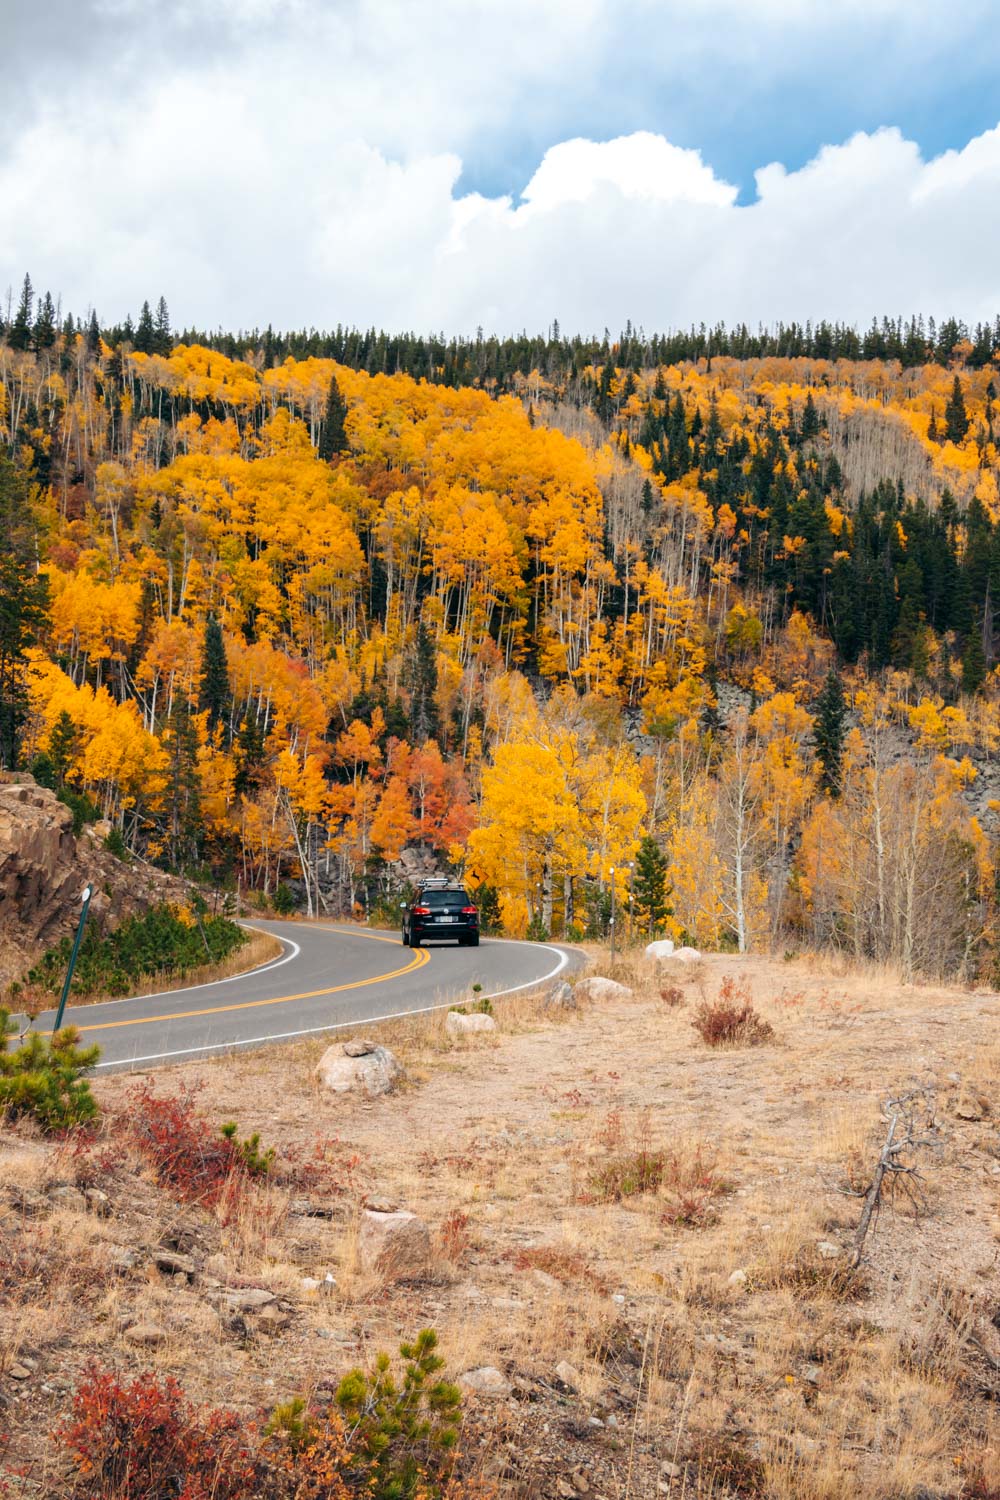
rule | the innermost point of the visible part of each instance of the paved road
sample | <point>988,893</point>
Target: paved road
<point>328,976</point>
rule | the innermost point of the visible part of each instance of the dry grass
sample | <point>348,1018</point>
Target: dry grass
<point>733,1342</point>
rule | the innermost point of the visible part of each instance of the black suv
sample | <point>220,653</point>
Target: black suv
<point>441,912</point>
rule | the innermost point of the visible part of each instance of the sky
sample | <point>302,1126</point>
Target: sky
<point>449,165</point>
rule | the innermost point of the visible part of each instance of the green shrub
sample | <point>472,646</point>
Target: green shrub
<point>116,845</point>
<point>402,1436</point>
<point>43,1078</point>
<point>158,942</point>
<point>283,901</point>
<point>257,1162</point>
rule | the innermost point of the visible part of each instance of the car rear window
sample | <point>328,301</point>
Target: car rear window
<point>445,898</point>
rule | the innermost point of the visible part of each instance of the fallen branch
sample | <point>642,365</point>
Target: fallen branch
<point>910,1127</point>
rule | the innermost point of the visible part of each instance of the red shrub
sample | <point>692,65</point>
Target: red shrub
<point>187,1153</point>
<point>145,1441</point>
<point>730,1020</point>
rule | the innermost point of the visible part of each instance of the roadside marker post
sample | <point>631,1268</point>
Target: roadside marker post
<point>85,896</point>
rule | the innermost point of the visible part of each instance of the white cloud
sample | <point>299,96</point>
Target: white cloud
<point>316,179</point>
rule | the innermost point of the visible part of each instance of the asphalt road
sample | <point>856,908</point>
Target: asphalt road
<point>329,976</point>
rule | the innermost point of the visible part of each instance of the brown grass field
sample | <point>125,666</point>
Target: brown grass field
<point>672,1219</point>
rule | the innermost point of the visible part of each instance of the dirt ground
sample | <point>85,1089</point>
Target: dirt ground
<point>667,1223</point>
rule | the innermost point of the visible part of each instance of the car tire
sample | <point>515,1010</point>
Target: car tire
<point>473,941</point>
<point>406,941</point>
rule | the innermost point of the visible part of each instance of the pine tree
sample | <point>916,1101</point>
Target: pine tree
<point>216,694</point>
<point>183,787</point>
<point>162,339</point>
<point>93,334</point>
<point>23,598</point>
<point>19,335</point>
<point>145,334</point>
<point>810,418</point>
<point>650,892</point>
<point>956,421</point>
<point>44,333</point>
<point>424,681</point>
<point>933,434</point>
<point>973,662</point>
<point>829,733</point>
<point>333,433</point>
<point>63,742</point>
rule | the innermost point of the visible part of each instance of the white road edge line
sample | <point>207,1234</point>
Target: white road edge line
<point>397,1015</point>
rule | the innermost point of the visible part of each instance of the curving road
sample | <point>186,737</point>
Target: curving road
<point>329,976</point>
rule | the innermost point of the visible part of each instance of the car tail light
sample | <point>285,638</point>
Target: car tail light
<point>420,911</point>
<point>468,911</point>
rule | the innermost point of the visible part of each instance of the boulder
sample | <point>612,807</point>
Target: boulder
<point>397,1245</point>
<point>662,948</point>
<point>459,1025</point>
<point>685,955</point>
<point>486,1381</point>
<point>373,1073</point>
<point>597,988</point>
<point>561,997</point>
<point>359,1047</point>
<point>248,1299</point>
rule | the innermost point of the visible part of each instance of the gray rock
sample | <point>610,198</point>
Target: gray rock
<point>828,1250</point>
<point>486,1381</point>
<point>359,1047</point>
<point>248,1299</point>
<point>397,1245</point>
<point>374,1073</point>
<point>561,997</point>
<point>99,1203</point>
<point>596,989</point>
<point>459,1025</point>
<point>68,1197</point>
<point>173,1264</point>
<point>568,1375</point>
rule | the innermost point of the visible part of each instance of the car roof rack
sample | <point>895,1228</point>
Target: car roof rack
<point>436,883</point>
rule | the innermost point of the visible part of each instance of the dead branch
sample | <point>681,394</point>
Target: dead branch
<point>911,1127</point>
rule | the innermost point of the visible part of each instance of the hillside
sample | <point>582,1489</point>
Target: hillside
<point>286,622</point>
<point>637,1252</point>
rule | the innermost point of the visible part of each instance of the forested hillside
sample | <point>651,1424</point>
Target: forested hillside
<point>713,618</point>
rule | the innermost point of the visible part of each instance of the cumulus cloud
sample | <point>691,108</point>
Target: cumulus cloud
<point>298,162</point>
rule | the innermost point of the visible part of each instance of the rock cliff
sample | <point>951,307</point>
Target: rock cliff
<point>44,868</point>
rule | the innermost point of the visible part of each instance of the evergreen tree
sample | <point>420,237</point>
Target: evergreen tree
<point>333,433</point>
<point>44,333</point>
<point>145,333</point>
<point>19,334</point>
<point>216,694</point>
<point>932,430</point>
<point>23,598</point>
<point>63,741</point>
<point>93,334</point>
<point>183,786</point>
<point>650,892</point>
<point>810,418</point>
<point>162,340</point>
<point>424,681</point>
<point>956,421</point>
<point>973,662</point>
<point>829,732</point>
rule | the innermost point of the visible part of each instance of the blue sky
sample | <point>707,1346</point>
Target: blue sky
<point>499,163</point>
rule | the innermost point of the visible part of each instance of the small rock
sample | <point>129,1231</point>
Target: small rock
<point>395,1244</point>
<point>618,1297</point>
<point>19,1372</point>
<point>968,1108</point>
<point>568,1375</point>
<point>374,1073</point>
<point>121,1260</point>
<point>828,1250</point>
<point>580,1482</point>
<point>309,1284</point>
<point>272,1318</point>
<point>173,1264</point>
<point>68,1197</point>
<point>381,1205</point>
<point>458,1025</point>
<point>217,1265</point>
<point>596,989</point>
<point>249,1299</point>
<point>670,1470</point>
<point>738,1277</point>
<point>486,1381</point>
<point>811,1374</point>
<point>565,1490</point>
<point>594,1422</point>
<point>359,1047</point>
<point>561,997</point>
<point>99,1203</point>
<point>148,1335</point>
<point>303,1208</point>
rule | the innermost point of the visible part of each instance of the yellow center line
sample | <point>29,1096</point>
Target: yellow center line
<point>420,957</point>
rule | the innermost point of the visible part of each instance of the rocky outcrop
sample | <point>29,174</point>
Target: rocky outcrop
<point>44,868</point>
